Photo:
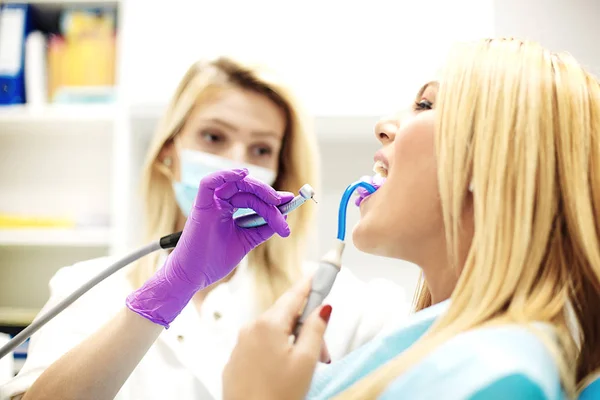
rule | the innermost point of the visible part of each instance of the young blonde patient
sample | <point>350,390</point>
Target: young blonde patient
<point>492,188</point>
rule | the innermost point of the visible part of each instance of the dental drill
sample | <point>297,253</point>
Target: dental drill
<point>254,220</point>
<point>331,263</point>
<point>251,220</point>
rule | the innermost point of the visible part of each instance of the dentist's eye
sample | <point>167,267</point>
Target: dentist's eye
<point>261,151</point>
<point>212,137</point>
<point>423,105</point>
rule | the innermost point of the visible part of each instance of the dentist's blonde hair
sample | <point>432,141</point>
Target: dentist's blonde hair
<point>523,125</point>
<point>276,263</point>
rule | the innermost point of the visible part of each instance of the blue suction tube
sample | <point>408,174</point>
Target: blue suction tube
<point>344,205</point>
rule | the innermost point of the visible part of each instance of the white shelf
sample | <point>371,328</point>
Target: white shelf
<point>66,2</point>
<point>57,113</point>
<point>84,237</point>
<point>13,316</point>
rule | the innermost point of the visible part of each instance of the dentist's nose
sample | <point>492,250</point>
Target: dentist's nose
<point>236,152</point>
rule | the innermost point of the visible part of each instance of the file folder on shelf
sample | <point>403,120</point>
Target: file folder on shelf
<point>14,28</point>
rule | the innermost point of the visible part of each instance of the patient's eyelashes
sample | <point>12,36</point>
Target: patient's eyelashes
<point>422,105</point>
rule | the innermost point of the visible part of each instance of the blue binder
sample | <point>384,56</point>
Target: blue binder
<point>15,23</point>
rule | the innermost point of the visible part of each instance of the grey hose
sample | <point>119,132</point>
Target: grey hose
<point>54,311</point>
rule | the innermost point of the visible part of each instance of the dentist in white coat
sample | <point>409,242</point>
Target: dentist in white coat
<point>223,115</point>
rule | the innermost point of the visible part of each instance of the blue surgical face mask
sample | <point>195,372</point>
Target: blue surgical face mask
<point>195,165</point>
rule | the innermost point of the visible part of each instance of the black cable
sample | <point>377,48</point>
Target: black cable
<point>170,241</point>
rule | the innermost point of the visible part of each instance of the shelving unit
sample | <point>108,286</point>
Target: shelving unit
<point>58,161</point>
<point>66,2</point>
<point>55,113</point>
<point>88,237</point>
<point>13,316</point>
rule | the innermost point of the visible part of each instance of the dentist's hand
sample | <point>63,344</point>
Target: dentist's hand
<point>211,244</point>
<point>265,364</point>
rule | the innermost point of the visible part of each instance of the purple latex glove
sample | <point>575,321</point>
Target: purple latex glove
<point>362,193</point>
<point>211,244</point>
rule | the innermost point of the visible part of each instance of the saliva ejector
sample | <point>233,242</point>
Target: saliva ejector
<point>331,263</point>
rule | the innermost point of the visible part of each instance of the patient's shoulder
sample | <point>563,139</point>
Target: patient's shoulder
<point>509,360</point>
<point>508,349</point>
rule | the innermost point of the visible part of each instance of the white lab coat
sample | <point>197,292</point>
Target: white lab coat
<point>187,360</point>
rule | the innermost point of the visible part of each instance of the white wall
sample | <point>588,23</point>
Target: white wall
<point>560,25</point>
<point>344,58</point>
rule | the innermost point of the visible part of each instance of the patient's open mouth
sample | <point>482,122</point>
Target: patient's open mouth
<point>380,169</point>
<point>376,180</point>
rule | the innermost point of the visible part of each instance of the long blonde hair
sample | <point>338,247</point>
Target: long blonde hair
<point>523,125</point>
<point>276,263</point>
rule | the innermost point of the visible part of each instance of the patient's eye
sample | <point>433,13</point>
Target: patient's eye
<point>423,105</point>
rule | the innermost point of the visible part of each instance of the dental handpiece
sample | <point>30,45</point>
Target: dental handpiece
<point>254,220</point>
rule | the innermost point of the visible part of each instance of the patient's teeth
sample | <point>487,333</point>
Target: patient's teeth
<point>378,179</point>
